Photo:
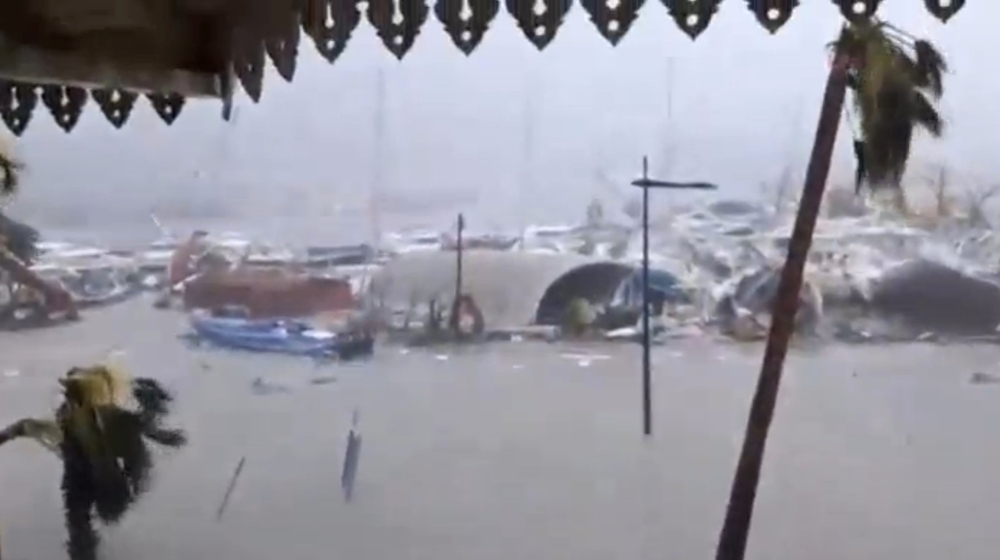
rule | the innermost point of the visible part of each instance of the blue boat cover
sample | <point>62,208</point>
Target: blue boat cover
<point>284,336</point>
<point>661,283</point>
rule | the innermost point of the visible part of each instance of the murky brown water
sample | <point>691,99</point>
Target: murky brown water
<point>515,451</point>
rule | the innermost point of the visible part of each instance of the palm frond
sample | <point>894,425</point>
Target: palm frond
<point>19,238</point>
<point>107,461</point>
<point>45,432</point>
<point>930,67</point>
<point>925,115</point>
<point>895,79</point>
<point>10,168</point>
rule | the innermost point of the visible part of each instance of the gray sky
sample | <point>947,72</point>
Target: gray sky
<point>744,106</point>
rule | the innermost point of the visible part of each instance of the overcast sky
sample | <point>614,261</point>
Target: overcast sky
<point>744,105</point>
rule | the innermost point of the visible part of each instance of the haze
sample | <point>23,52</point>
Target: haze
<point>743,108</point>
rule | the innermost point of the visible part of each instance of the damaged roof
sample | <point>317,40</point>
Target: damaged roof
<point>67,53</point>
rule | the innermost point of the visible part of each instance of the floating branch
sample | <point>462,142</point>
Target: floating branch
<point>229,489</point>
<point>466,28</point>
<point>772,14</point>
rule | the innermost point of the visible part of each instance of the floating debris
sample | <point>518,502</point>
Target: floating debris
<point>351,456</point>
<point>981,378</point>
<point>261,387</point>
<point>229,490</point>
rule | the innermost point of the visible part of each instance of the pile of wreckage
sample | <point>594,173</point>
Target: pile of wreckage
<point>260,290</point>
<point>714,268</point>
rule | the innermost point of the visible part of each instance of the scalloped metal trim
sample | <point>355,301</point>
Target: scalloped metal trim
<point>331,23</point>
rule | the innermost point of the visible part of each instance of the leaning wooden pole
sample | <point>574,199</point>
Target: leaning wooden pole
<point>736,528</point>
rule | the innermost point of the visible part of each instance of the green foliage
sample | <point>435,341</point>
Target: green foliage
<point>898,80</point>
<point>21,239</point>
<point>107,461</point>
<point>10,168</point>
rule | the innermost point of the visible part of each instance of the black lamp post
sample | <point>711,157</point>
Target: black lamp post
<point>645,183</point>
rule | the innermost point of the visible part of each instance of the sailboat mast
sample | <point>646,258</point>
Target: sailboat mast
<point>527,163</point>
<point>374,194</point>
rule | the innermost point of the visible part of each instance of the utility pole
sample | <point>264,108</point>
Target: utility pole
<point>527,156</point>
<point>457,305</point>
<point>645,183</point>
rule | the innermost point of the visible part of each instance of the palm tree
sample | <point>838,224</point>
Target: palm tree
<point>19,238</point>
<point>897,80</point>
<point>19,243</point>
<point>103,446</point>
<point>892,88</point>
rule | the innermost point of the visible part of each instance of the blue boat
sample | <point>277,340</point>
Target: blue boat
<point>280,336</point>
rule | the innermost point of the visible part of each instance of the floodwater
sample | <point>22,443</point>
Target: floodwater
<point>519,451</point>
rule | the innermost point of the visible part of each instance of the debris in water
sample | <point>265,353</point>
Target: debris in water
<point>8,373</point>
<point>587,357</point>
<point>261,387</point>
<point>351,459</point>
<point>980,378</point>
<point>229,490</point>
<point>441,357</point>
<point>323,380</point>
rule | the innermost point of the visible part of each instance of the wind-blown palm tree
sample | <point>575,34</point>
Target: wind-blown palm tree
<point>17,237</point>
<point>19,243</point>
<point>896,80</point>
<point>104,446</point>
<point>892,95</point>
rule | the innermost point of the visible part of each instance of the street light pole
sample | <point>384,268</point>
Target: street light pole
<point>647,382</point>
<point>645,183</point>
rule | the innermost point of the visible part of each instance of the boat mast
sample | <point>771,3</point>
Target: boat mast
<point>528,147</point>
<point>375,192</point>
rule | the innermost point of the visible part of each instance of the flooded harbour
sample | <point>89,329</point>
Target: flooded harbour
<point>528,450</point>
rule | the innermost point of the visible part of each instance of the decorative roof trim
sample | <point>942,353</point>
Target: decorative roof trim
<point>64,84</point>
